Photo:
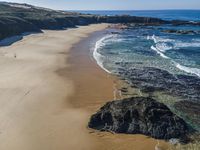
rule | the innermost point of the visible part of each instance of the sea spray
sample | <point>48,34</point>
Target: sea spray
<point>97,56</point>
<point>159,52</point>
<point>148,47</point>
<point>190,70</point>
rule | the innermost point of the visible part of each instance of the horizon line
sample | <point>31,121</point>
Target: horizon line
<point>126,9</point>
<point>163,9</point>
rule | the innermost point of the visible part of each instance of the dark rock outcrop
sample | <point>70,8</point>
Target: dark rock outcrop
<point>19,18</point>
<point>183,22</point>
<point>182,87</point>
<point>10,26</point>
<point>22,18</point>
<point>139,115</point>
<point>181,31</point>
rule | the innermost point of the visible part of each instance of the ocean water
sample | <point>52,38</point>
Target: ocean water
<point>121,52</point>
<point>151,47</point>
<point>191,15</point>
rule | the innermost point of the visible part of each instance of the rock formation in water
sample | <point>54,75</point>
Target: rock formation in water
<point>181,31</point>
<point>184,88</point>
<point>139,115</point>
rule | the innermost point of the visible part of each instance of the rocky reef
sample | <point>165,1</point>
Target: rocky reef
<point>182,31</point>
<point>140,115</point>
<point>185,89</point>
<point>150,79</point>
<point>183,22</point>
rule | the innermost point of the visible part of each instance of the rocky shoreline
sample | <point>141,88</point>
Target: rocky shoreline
<point>179,96</point>
<point>146,115</point>
<point>190,32</point>
<point>150,117</point>
<point>184,89</point>
<point>149,80</point>
<point>16,19</point>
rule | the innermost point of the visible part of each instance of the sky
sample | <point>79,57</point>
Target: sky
<point>113,4</point>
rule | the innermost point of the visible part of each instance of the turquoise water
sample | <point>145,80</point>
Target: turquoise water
<point>122,52</point>
<point>150,46</point>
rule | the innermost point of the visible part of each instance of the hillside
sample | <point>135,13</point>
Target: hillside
<point>18,18</point>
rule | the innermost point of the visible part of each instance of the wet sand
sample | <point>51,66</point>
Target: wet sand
<point>50,86</point>
<point>93,88</point>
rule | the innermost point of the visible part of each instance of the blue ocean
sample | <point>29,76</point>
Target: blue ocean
<point>191,15</point>
<point>159,61</point>
<point>150,46</point>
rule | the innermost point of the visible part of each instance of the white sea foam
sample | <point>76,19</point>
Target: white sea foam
<point>97,56</point>
<point>180,44</point>
<point>195,71</point>
<point>155,39</point>
<point>196,40</point>
<point>158,39</point>
<point>162,44</point>
<point>190,70</point>
<point>159,52</point>
<point>165,44</point>
<point>163,47</point>
<point>160,47</point>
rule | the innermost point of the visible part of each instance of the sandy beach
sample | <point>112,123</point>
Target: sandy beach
<point>50,86</point>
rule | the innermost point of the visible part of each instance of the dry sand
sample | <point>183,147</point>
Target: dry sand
<point>47,94</point>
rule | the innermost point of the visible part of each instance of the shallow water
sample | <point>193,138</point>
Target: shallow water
<point>150,47</point>
<point>134,52</point>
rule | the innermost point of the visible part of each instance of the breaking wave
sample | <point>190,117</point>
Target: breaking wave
<point>190,70</point>
<point>161,46</point>
<point>98,56</point>
<point>159,52</point>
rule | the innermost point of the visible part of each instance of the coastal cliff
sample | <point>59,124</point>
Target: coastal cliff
<point>19,18</point>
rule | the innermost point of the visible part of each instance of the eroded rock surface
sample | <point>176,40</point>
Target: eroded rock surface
<point>150,79</point>
<point>139,115</point>
<point>181,31</point>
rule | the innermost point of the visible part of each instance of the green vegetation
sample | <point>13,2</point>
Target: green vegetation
<point>18,18</point>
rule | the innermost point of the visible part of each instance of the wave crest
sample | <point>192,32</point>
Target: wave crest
<point>159,52</point>
<point>190,70</point>
<point>99,57</point>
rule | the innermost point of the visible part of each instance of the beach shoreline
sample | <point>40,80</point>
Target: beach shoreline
<point>94,86</point>
<point>50,86</point>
